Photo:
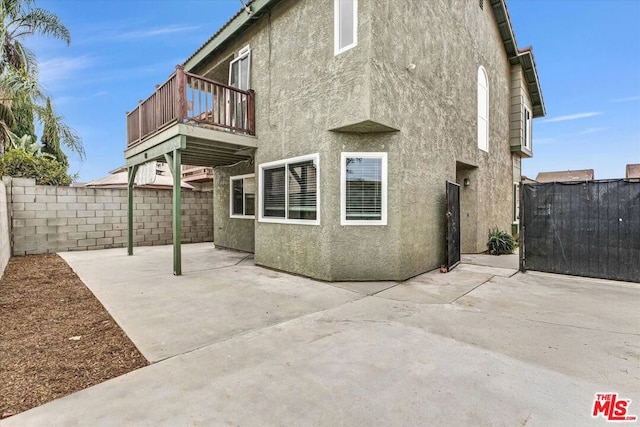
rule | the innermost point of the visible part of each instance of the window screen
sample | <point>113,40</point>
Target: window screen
<point>290,191</point>
<point>243,195</point>
<point>302,190</point>
<point>274,192</point>
<point>363,188</point>
<point>237,197</point>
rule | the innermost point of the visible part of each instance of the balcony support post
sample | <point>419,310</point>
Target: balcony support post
<point>130,181</point>
<point>174,160</point>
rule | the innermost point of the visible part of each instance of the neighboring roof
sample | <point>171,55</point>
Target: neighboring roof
<point>564,176</point>
<point>633,171</point>
<point>241,20</point>
<point>119,180</point>
<point>522,56</point>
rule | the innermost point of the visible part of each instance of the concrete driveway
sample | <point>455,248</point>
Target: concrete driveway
<point>236,344</point>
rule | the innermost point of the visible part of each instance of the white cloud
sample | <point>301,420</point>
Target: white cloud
<point>154,32</point>
<point>571,117</point>
<point>62,68</point>
<point>62,100</point>
<point>627,99</point>
<point>588,131</point>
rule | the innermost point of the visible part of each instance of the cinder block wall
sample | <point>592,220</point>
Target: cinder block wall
<point>5,242</point>
<point>57,219</point>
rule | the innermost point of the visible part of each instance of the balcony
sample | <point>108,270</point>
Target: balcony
<point>211,123</point>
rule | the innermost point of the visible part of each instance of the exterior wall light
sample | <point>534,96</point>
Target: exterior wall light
<point>466,182</point>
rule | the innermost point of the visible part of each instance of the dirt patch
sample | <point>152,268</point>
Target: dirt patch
<point>55,336</point>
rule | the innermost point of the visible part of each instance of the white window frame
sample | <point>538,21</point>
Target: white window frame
<point>483,139</point>
<point>244,52</point>
<point>285,163</point>
<point>336,27</point>
<point>343,188</point>
<point>526,123</point>
<point>238,178</point>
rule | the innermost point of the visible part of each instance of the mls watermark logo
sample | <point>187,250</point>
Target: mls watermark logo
<point>611,408</point>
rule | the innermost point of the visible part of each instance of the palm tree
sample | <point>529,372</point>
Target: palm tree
<point>19,69</point>
<point>21,19</point>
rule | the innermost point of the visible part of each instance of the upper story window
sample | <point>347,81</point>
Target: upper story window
<point>346,25</point>
<point>526,123</point>
<point>240,69</point>
<point>483,109</point>
<point>363,189</point>
<point>243,196</point>
<point>290,191</point>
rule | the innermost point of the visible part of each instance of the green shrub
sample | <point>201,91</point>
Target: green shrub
<point>500,242</point>
<point>45,169</point>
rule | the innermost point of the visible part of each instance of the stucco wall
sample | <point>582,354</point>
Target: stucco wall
<point>303,91</point>
<point>56,219</point>
<point>435,107</point>
<point>232,233</point>
<point>5,243</point>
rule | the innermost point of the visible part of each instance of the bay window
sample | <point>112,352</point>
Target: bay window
<point>363,181</point>
<point>290,191</point>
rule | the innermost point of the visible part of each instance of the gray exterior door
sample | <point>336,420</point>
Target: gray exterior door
<point>453,225</point>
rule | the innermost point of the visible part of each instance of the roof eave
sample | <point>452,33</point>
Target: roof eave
<point>528,64</point>
<point>229,30</point>
<point>522,57</point>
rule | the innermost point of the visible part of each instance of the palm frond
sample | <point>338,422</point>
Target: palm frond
<point>6,142</point>
<point>6,115</point>
<point>15,83</point>
<point>39,21</point>
<point>49,119</point>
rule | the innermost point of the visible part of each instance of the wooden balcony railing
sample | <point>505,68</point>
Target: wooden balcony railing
<point>187,97</point>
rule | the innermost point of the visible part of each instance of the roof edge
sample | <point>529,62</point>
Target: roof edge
<point>528,62</point>
<point>522,56</point>
<point>232,27</point>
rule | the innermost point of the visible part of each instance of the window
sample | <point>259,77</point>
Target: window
<point>516,202</point>
<point>243,196</point>
<point>239,71</point>
<point>526,135</point>
<point>290,191</point>
<point>483,110</point>
<point>363,189</point>
<point>346,25</point>
<point>240,68</point>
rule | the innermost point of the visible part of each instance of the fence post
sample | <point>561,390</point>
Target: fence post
<point>140,120</point>
<point>182,93</point>
<point>157,106</point>
<point>521,219</point>
<point>251,113</point>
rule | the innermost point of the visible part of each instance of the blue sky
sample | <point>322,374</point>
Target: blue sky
<point>587,53</point>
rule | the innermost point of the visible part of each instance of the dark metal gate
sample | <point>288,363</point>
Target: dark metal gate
<point>589,228</point>
<point>453,225</point>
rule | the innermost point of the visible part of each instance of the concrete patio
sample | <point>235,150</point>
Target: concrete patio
<point>236,344</point>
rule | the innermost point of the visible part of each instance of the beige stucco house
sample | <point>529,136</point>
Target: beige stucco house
<point>333,125</point>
